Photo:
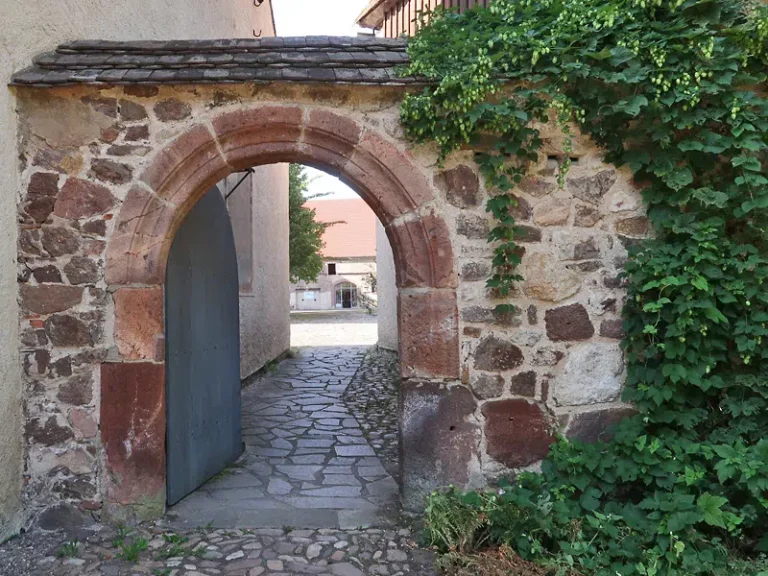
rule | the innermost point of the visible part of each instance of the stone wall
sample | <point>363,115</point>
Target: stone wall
<point>386,291</point>
<point>30,28</point>
<point>483,393</point>
<point>259,212</point>
<point>556,363</point>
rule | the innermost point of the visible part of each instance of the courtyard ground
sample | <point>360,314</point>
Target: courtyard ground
<point>333,328</point>
<point>315,491</point>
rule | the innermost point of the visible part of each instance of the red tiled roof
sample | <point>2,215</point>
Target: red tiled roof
<point>356,236</point>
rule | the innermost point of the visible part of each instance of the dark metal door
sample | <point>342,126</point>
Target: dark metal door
<point>202,349</point>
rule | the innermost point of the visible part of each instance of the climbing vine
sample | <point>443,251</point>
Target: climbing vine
<point>675,89</point>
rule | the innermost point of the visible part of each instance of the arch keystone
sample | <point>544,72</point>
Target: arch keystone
<point>262,135</point>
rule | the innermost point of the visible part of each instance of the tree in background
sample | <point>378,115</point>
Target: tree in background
<point>306,233</point>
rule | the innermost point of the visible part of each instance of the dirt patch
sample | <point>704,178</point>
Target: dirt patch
<point>498,562</point>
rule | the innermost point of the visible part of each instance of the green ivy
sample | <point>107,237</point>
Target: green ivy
<point>674,89</point>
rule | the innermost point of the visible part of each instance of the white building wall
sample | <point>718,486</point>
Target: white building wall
<point>356,272</point>
<point>28,28</point>
<point>386,289</point>
<point>259,212</point>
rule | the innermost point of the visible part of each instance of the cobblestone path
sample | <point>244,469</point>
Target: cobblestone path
<point>210,552</point>
<point>321,450</point>
<point>372,398</point>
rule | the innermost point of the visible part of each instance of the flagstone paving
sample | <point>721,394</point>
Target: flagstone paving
<point>308,462</point>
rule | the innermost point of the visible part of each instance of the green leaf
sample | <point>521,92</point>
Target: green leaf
<point>681,520</point>
<point>711,508</point>
<point>700,283</point>
<point>589,500</point>
<point>679,178</point>
<point>633,105</point>
<point>747,163</point>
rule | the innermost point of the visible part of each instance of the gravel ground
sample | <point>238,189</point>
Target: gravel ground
<point>372,397</point>
<point>333,328</point>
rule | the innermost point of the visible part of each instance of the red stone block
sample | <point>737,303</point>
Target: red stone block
<point>388,179</point>
<point>423,253</point>
<point>517,432</point>
<point>49,298</point>
<point>440,438</point>
<point>568,323</point>
<point>82,199</point>
<point>429,334</point>
<point>43,184</point>
<point>133,431</point>
<point>186,168</point>
<point>138,321</point>
<point>261,135</point>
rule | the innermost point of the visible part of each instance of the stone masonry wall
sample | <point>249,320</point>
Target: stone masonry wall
<point>555,363</point>
<point>29,29</point>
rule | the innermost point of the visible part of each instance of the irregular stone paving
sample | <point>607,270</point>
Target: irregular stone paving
<point>307,462</point>
<point>205,551</point>
<point>372,398</point>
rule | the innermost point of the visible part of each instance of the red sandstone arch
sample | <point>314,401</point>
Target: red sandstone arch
<point>132,402</point>
<point>178,176</point>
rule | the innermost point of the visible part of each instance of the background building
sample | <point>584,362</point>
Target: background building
<point>348,278</point>
<point>257,201</point>
<point>393,18</point>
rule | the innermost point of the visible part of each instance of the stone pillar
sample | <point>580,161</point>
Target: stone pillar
<point>132,413</point>
<point>133,436</point>
<point>440,439</point>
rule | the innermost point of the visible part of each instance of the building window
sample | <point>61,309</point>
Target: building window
<point>331,269</point>
<point>346,295</point>
<point>309,296</point>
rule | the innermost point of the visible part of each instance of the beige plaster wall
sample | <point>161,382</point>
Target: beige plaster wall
<point>386,291</point>
<point>265,330</point>
<point>35,26</point>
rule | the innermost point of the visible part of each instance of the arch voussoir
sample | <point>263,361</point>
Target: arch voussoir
<point>134,253</point>
<point>423,253</point>
<point>331,138</point>
<point>190,163</point>
<point>261,135</point>
<point>387,175</point>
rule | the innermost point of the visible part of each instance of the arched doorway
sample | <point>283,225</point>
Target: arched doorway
<point>345,295</point>
<point>175,180</point>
